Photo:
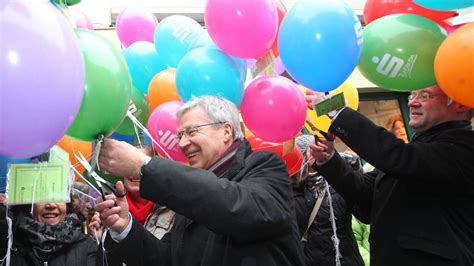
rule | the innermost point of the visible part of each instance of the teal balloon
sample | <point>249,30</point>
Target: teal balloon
<point>139,108</point>
<point>173,36</point>
<point>204,40</point>
<point>399,52</point>
<point>209,71</point>
<point>108,88</point>
<point>445,4</point>
<point>143,63</point>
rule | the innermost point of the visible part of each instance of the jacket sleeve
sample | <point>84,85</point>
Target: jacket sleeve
<point>147,249</point>
<point>255,204</point>
<point>356,188</point>
<point>447,161</point>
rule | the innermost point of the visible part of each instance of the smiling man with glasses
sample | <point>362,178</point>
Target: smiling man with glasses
<point>234,207</point>
<point>420,198</point>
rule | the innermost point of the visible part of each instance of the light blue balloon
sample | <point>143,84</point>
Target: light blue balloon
<point>204,40</point>
<point>173,36</point>
<point>209,71</point>
<point>143,63</point>
<point>320,43</point>
<point>445,4</point>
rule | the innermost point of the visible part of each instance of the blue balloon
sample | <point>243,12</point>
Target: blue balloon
<point>209,71</point>
<point>205,40</point>
<point>445,4</point>
<point>143,63</point>
<point>173,36</point>
<point>129,139</point>
<point>4,162</point>
<point>320,43</point>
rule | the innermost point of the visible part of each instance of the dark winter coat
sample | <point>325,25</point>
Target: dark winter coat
<point>319,247</point>
<point>420,201</point>
<point>244,218</point>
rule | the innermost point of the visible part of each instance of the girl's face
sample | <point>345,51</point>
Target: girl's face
<point>399,131</point>
<point>49,213</point>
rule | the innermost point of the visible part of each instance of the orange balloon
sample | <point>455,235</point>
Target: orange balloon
<point>162,88</point>
<point>74,146</point>
<point>281,11</point>
<point>454,65</point>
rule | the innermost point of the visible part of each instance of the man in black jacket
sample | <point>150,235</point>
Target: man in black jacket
<point>419,200</point>
<point>234,206</point>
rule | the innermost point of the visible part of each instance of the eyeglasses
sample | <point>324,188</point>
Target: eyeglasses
<point>423,96</point>
<point>191,131</point>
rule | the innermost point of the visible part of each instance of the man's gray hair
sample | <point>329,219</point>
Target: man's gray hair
<point>218,109</point>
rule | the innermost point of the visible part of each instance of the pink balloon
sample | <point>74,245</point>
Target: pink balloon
<point>82,21</point>
<point>135,24</point>
<point>163,126</point>
<point>273,108</point>
<point>242,28</point>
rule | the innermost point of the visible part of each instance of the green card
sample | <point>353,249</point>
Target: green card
<point>38,183</point>
<point>58,155</point>
<point>335,102</point>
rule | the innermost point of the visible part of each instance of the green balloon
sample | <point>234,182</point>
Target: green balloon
<point>111,178</point>
<point>139,108</point>
<point>108,88</point>
<point>67,2</point>
<point>399,51</point>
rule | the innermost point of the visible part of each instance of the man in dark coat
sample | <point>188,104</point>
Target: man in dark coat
<point>419,200</point>
<point>234,207</point>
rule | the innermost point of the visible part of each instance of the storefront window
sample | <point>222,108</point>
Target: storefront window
<point>385,113</point>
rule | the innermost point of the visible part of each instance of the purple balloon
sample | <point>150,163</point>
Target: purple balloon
<point>279,67</point>
<point>42,77</point>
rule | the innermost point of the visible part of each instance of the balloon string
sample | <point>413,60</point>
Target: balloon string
<point>145,130</point>
<point>137,135</point>
<point>85,180</point>
<point>34,187</point>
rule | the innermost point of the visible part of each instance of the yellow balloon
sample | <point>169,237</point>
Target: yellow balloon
<point>351,95</point>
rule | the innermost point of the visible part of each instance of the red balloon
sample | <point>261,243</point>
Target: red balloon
<point>293,159</point>
<point>375,9</point>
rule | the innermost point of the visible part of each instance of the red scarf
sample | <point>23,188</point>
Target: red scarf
<point>139,209</point>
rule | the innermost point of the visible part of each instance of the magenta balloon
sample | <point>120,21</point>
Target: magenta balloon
<point>242,28</point>
<point>82,21</point>
<point>163,125</point>
<point>135,24</point>
<point>273,108</point>
<point>41,77</point>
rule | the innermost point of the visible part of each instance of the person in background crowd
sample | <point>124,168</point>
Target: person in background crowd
<point>234,207</point>
<point>319,246</point>
<point>396,125</point>
<point>419,198</point>
<point>53,235</point>
<point>157,219</point>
